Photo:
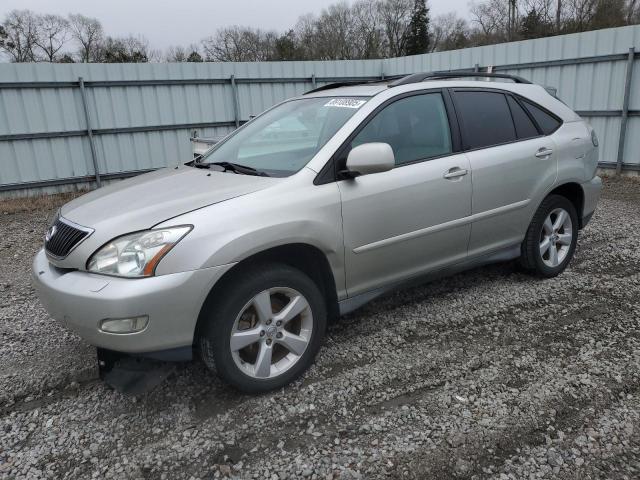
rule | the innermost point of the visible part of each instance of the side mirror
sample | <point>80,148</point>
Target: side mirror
<point>369,158</point>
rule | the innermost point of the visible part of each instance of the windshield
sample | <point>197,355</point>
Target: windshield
<point>284,139</point>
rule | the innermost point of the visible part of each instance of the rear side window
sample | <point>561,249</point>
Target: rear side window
<point>547,122</point>
<point>524,126</point>
<point>486,118</point>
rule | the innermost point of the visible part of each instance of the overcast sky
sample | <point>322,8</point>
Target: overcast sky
<point>181,22</point>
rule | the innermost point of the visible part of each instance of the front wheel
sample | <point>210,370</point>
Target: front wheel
<point>551,238</point>
<point>265,329</point>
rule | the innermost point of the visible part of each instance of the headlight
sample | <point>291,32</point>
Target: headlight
<point>53,218</point>
<point>136,254</point>
<point>594,138</point>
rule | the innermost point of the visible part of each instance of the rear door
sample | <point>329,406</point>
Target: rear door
<point>512,162</point>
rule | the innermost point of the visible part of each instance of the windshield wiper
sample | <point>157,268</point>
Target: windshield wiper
<point>234,167</point>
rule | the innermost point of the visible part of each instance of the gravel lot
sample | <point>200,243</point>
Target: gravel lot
<point>488,374</point>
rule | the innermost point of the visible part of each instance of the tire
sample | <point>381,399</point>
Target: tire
<point>245,308</point>
<point>551,238</point>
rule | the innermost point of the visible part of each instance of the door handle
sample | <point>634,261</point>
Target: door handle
<point>455,172</point>
<point>544,152</point>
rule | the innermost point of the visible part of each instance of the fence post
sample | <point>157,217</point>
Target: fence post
<point>313,80</point>
<point>625,111</point>
<point>92,144</point>
<point>236,107</point>
<point>476,68</point>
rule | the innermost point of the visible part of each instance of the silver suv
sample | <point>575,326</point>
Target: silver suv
<point>315,207</point>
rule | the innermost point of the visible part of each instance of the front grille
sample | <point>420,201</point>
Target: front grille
<point>62,238</point>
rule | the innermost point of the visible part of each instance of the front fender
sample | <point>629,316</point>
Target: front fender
<point>246,244</point>
<point>231,231</point>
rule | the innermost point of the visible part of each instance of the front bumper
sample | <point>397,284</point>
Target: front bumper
<point>591,190</point>
<point>80,300</point>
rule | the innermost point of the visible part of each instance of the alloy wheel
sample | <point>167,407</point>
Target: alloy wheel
<point>556,237</point>
<point>271,332</point>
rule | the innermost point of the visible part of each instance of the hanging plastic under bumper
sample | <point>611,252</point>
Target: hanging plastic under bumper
<point>132,375</point>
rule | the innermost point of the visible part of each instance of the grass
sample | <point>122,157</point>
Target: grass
<point>40,202</point>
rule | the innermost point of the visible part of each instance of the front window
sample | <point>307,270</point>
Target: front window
<point>416,128</point>
<point>283,140</point>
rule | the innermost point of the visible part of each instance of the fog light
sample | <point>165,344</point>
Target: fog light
<point>124,325</point>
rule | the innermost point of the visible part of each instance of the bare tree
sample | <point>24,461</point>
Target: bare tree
<point>579,14</point>
<point>225,45</point>
<point>20,28</point>
<point>545,8</point>
<point>631,11</point>
<point>51,35</point>
<point>335,32</point>
<point>88,33</point>
<point>512,19</point>
<point>395,16</point>
<point>176,54</point>
<point>239,44</point>
<point>493,17</point>
<point>141,44</point>
<point>449,32</point>
<point>182,54</point>
<point>558,15</point>
<point>304,33</point>
<point>3,38</point>
<point>361,29</point>
<point>367,29</point>
<point>342,32</point>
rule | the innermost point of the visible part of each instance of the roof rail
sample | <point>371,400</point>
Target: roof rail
<point>329,86</point>
<point>354,82</point>
<point>421,77</point>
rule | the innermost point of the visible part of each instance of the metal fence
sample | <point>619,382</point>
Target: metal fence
<point>64,126</point>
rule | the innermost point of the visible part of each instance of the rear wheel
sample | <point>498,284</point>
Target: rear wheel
<point>551,238</point>
<point>265,329</point>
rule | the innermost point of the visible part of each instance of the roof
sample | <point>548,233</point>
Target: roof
<point>532,91</point>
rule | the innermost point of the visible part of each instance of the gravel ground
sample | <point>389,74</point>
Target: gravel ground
<point>488,374</point>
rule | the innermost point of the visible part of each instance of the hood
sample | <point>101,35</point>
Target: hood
<point>146,200</point>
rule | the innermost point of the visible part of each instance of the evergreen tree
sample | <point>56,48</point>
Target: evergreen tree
<point>124,50</point>
<point>418,32</point>
<point>285,47</point>
<point>194,57</point>
<point>66,58</point>
<point>533,25</point>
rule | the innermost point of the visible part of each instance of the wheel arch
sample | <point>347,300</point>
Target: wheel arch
<point>573,192</point>
<point>305,257</point>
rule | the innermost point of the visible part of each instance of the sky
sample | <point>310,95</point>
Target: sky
<point>181,22</point>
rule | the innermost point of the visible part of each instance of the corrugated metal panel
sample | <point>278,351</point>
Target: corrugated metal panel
<point>608,130</point>
<point>597,85</point>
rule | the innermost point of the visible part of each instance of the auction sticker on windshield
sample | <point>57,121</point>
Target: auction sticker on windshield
<point>345,103</point>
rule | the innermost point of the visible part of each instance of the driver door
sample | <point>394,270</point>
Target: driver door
<point>411,219</point>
